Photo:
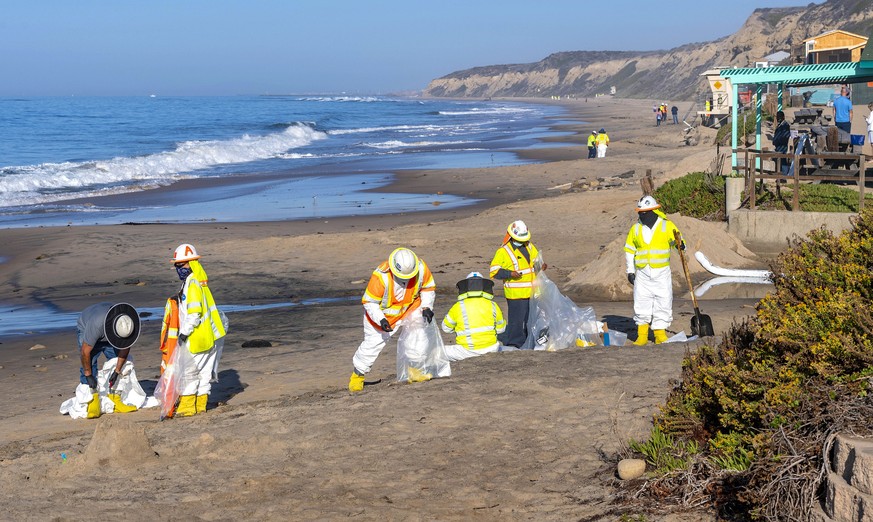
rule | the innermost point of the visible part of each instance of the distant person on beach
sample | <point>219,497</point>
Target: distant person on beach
<point>647,256</point>
<point>602,142</point>
<point>781,137</point>
<point>475,319</point>
<point>515,263</point>
<point>592,145</point>
<point>675,111</point>
<point>658,118</point>
<point>843,111</point>
<point>108,329</point>
<point>201,331</point>
<point>400,286</point>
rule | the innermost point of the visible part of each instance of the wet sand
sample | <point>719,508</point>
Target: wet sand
<point>519,436</point>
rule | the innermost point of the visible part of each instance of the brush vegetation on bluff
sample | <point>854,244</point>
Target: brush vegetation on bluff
<point>762,406</point>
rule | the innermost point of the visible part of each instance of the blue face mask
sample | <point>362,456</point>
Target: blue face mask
<point>183,272</point>
<point>517,244</point>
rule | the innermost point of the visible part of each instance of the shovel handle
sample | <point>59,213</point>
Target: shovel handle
<point>678,238</point>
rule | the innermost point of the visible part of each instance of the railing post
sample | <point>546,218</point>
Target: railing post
<point>753,192</point>
<point>863,182</point>
<point>795,202</point>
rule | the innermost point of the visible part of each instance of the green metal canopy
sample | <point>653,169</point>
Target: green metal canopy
<point>793,76</point>
<point>802,75</point>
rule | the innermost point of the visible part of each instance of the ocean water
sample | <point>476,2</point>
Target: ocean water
<point>101,160</point>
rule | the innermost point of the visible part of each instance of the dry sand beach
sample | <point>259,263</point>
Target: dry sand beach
<point>511,436</point>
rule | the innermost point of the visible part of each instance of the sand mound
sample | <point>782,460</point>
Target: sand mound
<point>605,277</point>
<point>119,443</point>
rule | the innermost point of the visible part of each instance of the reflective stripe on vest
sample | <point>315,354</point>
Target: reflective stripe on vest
<point>517,288</point>
<point>656,253</point>
<point>466,332</point>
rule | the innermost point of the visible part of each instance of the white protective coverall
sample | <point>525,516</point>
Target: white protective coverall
<point>374,338</point>
<point>653,287</point>
<point>201,368</point>
<point>127,387</point>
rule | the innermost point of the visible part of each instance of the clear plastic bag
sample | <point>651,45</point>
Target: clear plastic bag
<point>555,322</point>
<point>421,354</point>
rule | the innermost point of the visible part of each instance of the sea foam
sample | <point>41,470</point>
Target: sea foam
<point>49,182</point>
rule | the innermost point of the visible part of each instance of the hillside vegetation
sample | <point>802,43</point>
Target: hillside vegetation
<point>672,74</point>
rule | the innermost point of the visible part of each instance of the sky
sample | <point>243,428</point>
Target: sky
<point>223,47</point>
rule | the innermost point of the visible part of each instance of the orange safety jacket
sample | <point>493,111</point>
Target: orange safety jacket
<point>169,331</point>
<point>380,290</point>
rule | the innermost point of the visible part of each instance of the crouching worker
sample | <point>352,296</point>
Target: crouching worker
<point>398,288</point>
<point>647,256</point>
<point>108,329</point>
<point>475,319</point>
<point>201,331</point>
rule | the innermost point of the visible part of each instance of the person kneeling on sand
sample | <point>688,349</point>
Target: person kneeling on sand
<point>475,319</point>
<point>398,287</point>
<point>201,330</point>
<point>647,254</point>
<point>108,329</point>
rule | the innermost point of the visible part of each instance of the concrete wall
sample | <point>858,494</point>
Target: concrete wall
<point>773,228</point>
<point>849,484</point>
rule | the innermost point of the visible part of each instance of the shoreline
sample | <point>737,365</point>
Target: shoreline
<point>284,411</point>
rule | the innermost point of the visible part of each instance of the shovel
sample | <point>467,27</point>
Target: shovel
<point>700,324</point>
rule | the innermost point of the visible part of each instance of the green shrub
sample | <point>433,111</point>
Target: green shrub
<point>763,403</point>
<point>813,198</point>
<point>697,194</point>
<point>663,453</point>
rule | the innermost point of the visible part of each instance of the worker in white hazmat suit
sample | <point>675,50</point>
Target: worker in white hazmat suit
<point>400,287</point>
<point>200,329</point>
<point>647,253</point>
<point>475,319</point>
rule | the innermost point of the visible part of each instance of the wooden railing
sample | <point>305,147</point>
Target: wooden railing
<point>828,166</point>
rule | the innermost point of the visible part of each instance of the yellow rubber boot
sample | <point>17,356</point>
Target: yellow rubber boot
<point>642,335</point>
<point>94,406</point>
<point>356,382</point>
<point>660,336</point>
<point>416,375</point>
<point>200,403</point>
<point>187,406</point>
<point>120,407</point>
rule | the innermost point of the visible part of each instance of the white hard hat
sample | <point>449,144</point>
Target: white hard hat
<point>403,263</point>
<point>518,231</point>
<point>473,274</point>
<point>123,326</point>
<point>185,252</point>
<point>647,203</point>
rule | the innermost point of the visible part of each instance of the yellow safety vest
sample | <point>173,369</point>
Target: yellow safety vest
<point>602,139</point>
<point>591,140</point>
<point>512,259</point>
<point>197,299</point>
<point>380,289</point>
<point>655,253</point>
<point>476,321</point>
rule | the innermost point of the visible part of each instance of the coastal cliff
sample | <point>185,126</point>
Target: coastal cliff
<point>673,73</point>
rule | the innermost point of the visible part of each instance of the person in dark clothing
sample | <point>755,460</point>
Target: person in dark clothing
<point>675,111</point>
<point>781,137</point>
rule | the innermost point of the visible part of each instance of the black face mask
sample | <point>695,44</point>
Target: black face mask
<point>183,272</point>
<point>648,218</point>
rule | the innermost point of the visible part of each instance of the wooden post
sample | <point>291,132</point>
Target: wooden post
<point>795,202</point>
<point>647,183</point>
<point>863,182</point>
<point>750,172</point>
